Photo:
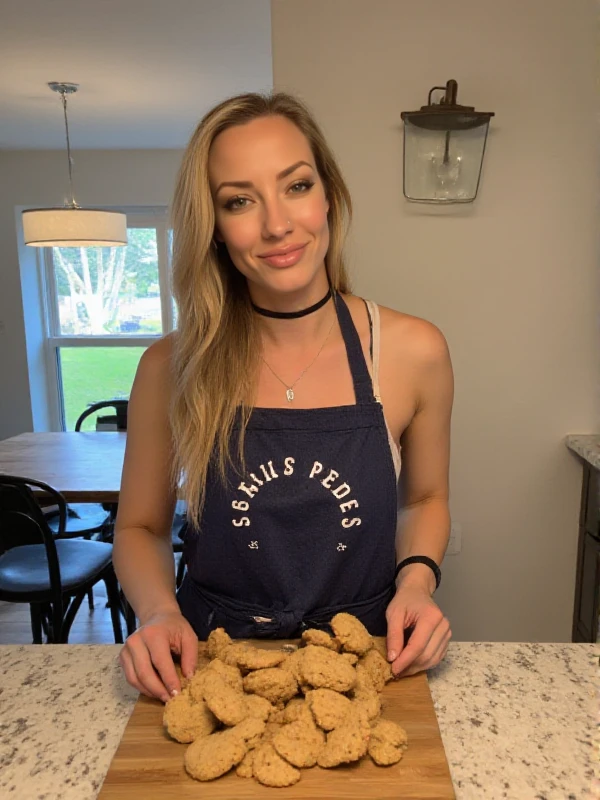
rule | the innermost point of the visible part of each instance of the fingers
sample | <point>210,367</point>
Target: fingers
<point>442,655</point>
<point>144,672</point>
<point>431,656</point>
<point>126,662</point>
<point>431,627</point>
<point>162,660</point>
<point>395,637</point>
<point>189,651</point>
<point>419,640</point>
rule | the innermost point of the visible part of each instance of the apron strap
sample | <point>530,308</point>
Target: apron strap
<point>363,386</point>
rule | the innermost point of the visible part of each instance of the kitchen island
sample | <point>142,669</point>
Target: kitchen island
<point>518,721</point>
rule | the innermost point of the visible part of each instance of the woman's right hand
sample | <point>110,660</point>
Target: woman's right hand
<point>146,656</point>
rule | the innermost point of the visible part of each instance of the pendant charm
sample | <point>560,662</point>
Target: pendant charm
<point>290,395</point>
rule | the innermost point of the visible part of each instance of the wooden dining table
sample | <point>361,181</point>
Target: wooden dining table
<point>85,466</point>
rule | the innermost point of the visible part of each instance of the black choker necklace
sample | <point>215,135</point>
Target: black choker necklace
<point>292,314</point>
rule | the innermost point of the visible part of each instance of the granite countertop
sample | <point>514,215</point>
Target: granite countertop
<point>586,445</point>
<point>518,721</point>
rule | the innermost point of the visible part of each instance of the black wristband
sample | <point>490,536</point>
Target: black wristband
<point>429,562</point>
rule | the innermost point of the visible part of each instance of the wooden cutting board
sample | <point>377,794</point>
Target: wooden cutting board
<point>148,765</point>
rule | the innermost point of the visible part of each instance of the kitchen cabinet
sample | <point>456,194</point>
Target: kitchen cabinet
<point>587,586</point>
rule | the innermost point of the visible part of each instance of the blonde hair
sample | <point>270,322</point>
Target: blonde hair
<point>217,345</point>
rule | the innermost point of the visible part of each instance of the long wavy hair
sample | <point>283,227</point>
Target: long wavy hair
<point>217,346</point>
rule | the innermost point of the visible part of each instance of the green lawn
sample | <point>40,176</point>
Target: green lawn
<point>91,374</point>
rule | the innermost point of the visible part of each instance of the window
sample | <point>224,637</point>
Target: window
<point>104,306</point>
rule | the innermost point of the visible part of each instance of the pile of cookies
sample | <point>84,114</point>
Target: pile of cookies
<point>271,713</point>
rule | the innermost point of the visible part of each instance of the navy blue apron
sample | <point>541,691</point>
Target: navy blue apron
<point>308,530</point>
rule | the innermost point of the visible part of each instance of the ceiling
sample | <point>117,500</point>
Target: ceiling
<point>147,69</point>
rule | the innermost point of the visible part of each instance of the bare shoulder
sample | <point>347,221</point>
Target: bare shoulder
<point>156,362</point>
<point>153,383</point>
<point>413,338</point>
<point>405,338</point>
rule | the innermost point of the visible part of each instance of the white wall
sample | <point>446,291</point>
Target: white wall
<point>29,178</point>
<point>511,280</point>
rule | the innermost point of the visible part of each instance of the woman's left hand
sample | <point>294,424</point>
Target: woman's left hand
<point>413,607</point>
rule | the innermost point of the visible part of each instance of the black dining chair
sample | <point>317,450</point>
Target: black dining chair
<point>51,572</point>
<point>118,422</point>
<point>93,519</point>
<point>113,422</point>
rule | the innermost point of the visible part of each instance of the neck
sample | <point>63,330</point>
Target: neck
<point>299,333</point>
<point>264,312</point>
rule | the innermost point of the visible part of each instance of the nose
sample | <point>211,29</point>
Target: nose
<point>276,219</point>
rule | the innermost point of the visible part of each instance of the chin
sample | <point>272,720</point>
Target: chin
<point>290,281</point>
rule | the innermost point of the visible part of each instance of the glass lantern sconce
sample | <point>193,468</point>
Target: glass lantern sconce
<point>444,144</point>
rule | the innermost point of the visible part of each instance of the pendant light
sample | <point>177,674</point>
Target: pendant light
<point>71,225</point>
<point>444,144</point>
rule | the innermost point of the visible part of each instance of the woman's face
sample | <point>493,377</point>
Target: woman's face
<point>269,197</point>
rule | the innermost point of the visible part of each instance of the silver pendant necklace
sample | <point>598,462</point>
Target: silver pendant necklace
<point>290,388</point>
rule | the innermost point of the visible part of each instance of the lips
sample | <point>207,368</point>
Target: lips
<point>287,258</point>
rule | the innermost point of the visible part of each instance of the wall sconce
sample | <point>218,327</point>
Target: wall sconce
<point>444,144</point>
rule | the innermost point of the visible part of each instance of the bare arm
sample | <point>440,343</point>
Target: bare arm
<point>424,524</point>
<point>142,551</point>
<point>143,554</point>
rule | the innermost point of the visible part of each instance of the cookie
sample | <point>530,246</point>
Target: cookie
<point>251,730</point>
<point>244,768</point>
<point>231,674</point>
<point>380,670</point>
<point>186,720</point>
<point>320,638</point>
<point>329,708</point>
<point>353,635</point>
<point>218,640</point>
<point>224,701</point>
<point>275,684</point>
<point>365,695</point>
<point>387,743</point>
<point>182,679</point>
<point>292,710</point>
<point>271,729</point>
<point>345,744</point>
<point>292,663</point>
<point>300,742</point>
<point>231,653</point>
<point>324,669</point>
<point>278,715</point>
<point>250,658</point>
<point>259,707</point>
<point>270,769</point>
<point>203,657</point>
<point>380,644</point>
<point>351,658</point>
<point>211,756</point>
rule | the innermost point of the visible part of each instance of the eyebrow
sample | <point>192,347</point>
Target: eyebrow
<point>249,185</point>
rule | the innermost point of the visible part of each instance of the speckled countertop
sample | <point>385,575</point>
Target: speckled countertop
<point>587,445</point>
<point>518,721</point>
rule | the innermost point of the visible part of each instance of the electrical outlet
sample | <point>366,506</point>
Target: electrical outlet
<point>455,541</point>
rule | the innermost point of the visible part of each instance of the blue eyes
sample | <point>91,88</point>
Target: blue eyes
<point>231,205</point>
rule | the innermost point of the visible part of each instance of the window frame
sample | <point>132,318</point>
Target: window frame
<point>156,218</point>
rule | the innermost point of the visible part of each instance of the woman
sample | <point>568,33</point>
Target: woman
<point>276,411</point>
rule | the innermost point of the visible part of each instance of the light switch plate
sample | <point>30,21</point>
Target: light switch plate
<point>455,541</point>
